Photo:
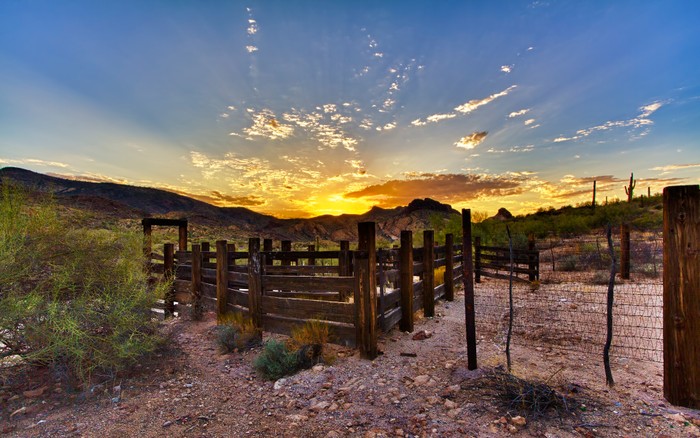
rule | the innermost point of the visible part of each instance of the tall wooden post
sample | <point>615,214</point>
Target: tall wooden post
<point>593,202</point>
<point>449,267</point>
<point>196,282</point>
<point>344,259</point>
<point>255,282</point>
<point>169,273</point>
<point>267,247</point>
<point>682,295</point>
<point>366,291</point>
<point>312,260</point>
<point>221,277</point>
<point>531,267</point>
<point>468,280</point>
<point>182,237</point>
<point>625,251</point>
<point>477,259</point>
<point>428,273</point>
<point>206,247</point>
<point>406,278</point>
<point>286,246</point>
<point>147,240</point>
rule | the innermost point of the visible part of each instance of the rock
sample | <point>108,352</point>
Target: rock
<point>450,364</point>
<point>449,404</point>
<point>35,392</point>
<point>320,406</point>
<point>167,423</point>
<point>333,434</point>
<point>297,418</point>
<point>432,400</point>
<point>19,411</point>
<point>421,335</point>
<point>518,421</point>
<point>453,413</point>
<point>279,384</point>
<point>512,429</point>
<point>421,380</point>
<point>318,368</point>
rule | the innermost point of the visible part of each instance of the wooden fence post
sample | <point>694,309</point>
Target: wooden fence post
<point>406,277</point>
<point>468,279</point>
<point>344,259</point>
<point>625,251</point>
<point>312,260</point>
<point>267,247</point>
<point>286,246</point>
<point>531,258</point>
<point>147,241</point>
<point>169,274</point>
<point>428,273</point>
<point>255,282</point>
<point>682,295</point>
<point>196,282</point>
<point>449,267</point>
<point>366,291</point>
<point>221,277</point>
<point>477,258</point>
<point>182,237</point>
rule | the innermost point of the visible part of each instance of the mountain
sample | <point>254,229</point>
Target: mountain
<point>131,202</point>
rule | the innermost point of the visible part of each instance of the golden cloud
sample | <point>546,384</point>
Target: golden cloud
<point>472,140</point>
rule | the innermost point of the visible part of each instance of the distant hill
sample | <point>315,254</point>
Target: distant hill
<point>131,202</point>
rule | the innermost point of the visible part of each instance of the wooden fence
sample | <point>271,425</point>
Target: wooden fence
<point>494,262</point>
<point>357,293</point>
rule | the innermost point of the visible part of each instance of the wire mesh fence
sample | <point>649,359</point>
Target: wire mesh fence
<point>566,308</point>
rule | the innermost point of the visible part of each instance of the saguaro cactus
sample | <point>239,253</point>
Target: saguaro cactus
<point>630,189</point>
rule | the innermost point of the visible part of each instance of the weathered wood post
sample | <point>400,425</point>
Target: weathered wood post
<point>312,260</point>
<point>169,274</point>
<point>221,277</point>
<point>286,246</point>
<point>593,202</point>
<point>147,240</point>
<point>531,266</point>
<point>468,280</point>
<point>428,273</point>
<point>267,247</point>
<point>196,282</point>
<point>406,278</point>
<point>477,258</point>
<point>182,236</point>
<point>682,295</point>
<point>449,267</point>
<point>625,251</point>
<point>205,259</point>
<point>344,259</point>
<point>366,291</point>
<point>255,282</point>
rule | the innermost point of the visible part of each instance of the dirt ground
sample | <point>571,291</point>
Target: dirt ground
<point>192,390</point>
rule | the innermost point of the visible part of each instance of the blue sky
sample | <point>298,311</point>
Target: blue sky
<point>308,108</point>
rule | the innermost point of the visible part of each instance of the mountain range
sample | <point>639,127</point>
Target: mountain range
<point>132,202</point>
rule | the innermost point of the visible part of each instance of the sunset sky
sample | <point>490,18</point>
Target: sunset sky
<point>302,108</point>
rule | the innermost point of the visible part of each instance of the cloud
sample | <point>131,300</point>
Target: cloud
<point>223,200</point>
<point>449,188</point>
<point>518,113</point>
<point>266,125</point>
<point>506,68</point>
<point>252,27</point>
<point>528,122</point>
<point>464,109</point>
<point>640,123</point>
<point>671,167</point>
<point>326,130</point>
<point>514,149</point>
<point>472,140</point>
<point>34,161</point>
<point>251,48</point>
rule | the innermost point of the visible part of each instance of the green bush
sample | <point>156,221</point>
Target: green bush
<point>73,299</point>
<point>276,361</point>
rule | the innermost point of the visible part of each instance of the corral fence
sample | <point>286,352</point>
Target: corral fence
<point>356,292</point>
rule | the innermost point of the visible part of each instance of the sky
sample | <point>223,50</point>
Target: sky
<point>304,108</point>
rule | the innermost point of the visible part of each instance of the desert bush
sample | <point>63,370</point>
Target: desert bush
<point>71,298</point>
<point>439,275</point>
<point>276,360</point>
<point>236,332</point>
<point>309,340</point>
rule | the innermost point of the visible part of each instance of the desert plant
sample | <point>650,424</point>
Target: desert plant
<point>439,275</point>
<point>71,298</point>
<point>309,340</point>
<point>276,360</point>
<point>235,331</point>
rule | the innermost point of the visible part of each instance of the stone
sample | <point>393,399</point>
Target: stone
<point>320,406</point>
<point>518,421</point>
<point>35,392</point>
<point>421,380</point>
<point>279,384</point>
<point>449,404</point>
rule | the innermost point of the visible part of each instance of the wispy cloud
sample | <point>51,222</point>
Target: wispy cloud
<point>449,188</point>
<point>641,123</point>
<point>34,161</point>
<point>506,68</point>
<point>519,113</point>
<point>472,140</point>
<point>266,125</point>
<point>514,149</point>
<point>672,167</point>
<point>463,109</point>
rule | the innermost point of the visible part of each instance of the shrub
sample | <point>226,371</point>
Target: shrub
<point>236,332</point>
<point>71,298</point>
<point>276,361</point>
<point>309,340</point>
